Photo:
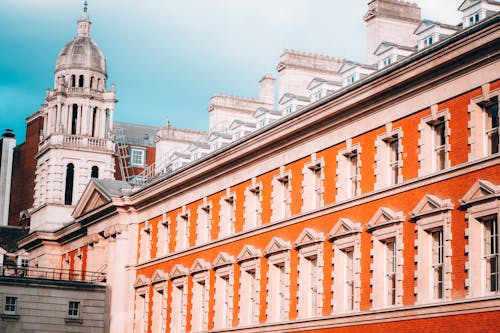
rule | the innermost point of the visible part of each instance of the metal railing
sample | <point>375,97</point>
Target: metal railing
<point>47,273</point>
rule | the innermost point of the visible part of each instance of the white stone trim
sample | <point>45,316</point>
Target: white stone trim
<point>430,214</point>
<point>281,197</point>
<point>199,307</point>
<point>278,254</point>
<point>182,230</point>
<point>159,288</point>
<point>253,205</point>
<point>310,189</point>
<point>178,277</point>
<point>477,139</point>
<point>227,214</point>
<point>223,265</point>
<point>309,245</point>
<point>426,156</point>
<point>249,260</point>
<point>145,242</point>
<point>141,315</point>
<point>204,222</point>
<point>163,236</point>
<point>342,172</point>
<point>386,225</point>
<point>345,235</point>
<point>382,159</point>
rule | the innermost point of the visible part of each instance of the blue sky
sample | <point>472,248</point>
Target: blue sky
<point>168,57</point>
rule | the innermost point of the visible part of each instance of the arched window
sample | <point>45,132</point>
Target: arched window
<point>98,84</point>
<point>94,121</point>
<point>80,81</point>
<point>95,172</point>
<point>74,118</point>
<point>91,85</point>
<point>73,81</point>
<point>68,191</point>
<point>108,122</point>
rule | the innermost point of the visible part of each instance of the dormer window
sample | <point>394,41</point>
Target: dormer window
<point>289,109</point>
<point>137,157</point>
<point>428,41</point>
<point>387,61</point>
<point>351,79</point>
<point>474,18</point>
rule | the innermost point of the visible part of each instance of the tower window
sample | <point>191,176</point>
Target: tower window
<point>73,81</point>
<point>68,192</point>
<point>91,85</point>
<point>95,172</point>
<point>80,81</point>
<point>74,117</point>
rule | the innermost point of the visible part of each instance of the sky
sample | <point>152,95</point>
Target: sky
<point>168,58</point>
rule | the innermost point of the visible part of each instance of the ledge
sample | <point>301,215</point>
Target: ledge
<point>10,317</point>
<point>73,321</point>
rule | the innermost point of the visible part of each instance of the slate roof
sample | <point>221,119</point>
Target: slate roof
<point>138,134</point>
<point>111,187</point>
<point>9,236</point>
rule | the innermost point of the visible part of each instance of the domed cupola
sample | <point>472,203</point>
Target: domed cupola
<point>82,52</point>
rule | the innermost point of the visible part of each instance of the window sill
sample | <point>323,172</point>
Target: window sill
<point>73,321</point>
<point>10,317</point>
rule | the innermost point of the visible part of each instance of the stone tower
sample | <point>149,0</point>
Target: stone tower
<point>390,21</point>
<point>77,141</point>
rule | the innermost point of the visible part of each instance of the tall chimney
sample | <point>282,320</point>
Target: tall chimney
<point>7,144</point>
<point>266,89</point>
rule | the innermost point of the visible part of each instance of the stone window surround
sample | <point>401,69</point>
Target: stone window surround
<point>277,253</point>
<point>250,220</point>
<point>343,181</point>
<point>145,243</point>
<point>178,279</point>
<point>308,183</point>
<point>141,286</point>
<point>477,140</point>
<point>159,281</point>
<point>163,239</point>
<point>200,273</point>
<point>223,266</point>
<point>204,211</point>
<point>182,218</point>
<point>426,137</point>
<point>346,235</point>
<point>249,260</point>
<point>277,199</point>
<point>385,225</point>
<point>481,200</point>
<point>309,245</point>
<point>382,161</point>
<point>227,216</point>
<point>430,214</point>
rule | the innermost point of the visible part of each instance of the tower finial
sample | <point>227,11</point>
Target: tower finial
<point>85,5</point>
<point>84,22</point>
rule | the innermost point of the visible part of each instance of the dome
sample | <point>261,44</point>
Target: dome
<point>81,53</point>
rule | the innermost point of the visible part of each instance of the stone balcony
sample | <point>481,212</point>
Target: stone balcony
<point>77,142</point>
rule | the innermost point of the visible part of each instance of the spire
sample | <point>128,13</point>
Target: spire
<point>84,22</point>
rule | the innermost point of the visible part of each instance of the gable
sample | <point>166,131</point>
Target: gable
<point>248,252</point>
<point>91,199</point>
<point>276,245</point>
<point>158,276</point>
<point>385,216</point>
<point>344,227</point>
<point>141,280</point>
<point>468,3</point>
<point>178,271</point>
<point>222,259</point>
<point>199,265</point>
<point>430,204</point>
<point>480,191</point>
<point>308,236</point>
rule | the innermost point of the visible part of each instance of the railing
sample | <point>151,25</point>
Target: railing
<point>46,273</point>
<point>81,91</point>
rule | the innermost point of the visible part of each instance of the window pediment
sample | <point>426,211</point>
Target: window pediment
<point>159,276</point>
<point>277,245</point>
<point>222,259</point>
<point>141,281</point>
<point>248,252</point>
<point>199,265</point>
<point>178,271</point>
<point>385,216</point>
<point>344,227</point>
<point>309,236</point>
<point>430,204</point>
<point>482,190</point>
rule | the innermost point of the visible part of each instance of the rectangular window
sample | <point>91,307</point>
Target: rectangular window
<point>394,160</point>
<point>222,301</point>
<point>182,241</point>
<point>10,306</point>
<point>137,157</point>
<point>387,61</point>
<point>249,297</point>
<point>285,197</point>
<point>353,174</point>
<point>428,41</point>
<point>313,286</point>
<point>390,271</point>
<point>437,263</point>
<point>317,192</point>
<point>74,309</point>
<point>226,223</point>
<point>491,253</point>
<point>203,225</point>
<point>349,279</point>
<point>439,131</point>
<point>491,126</point>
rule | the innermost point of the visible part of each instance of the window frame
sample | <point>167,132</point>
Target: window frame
<point>142,157</point>
<point>74,309</point>
<point>428,155</point>
<point>13,305</point>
